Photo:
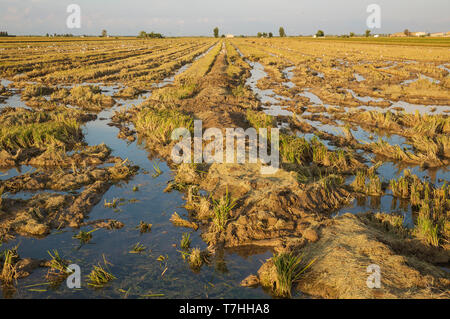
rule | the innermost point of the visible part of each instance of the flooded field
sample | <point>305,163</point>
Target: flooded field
<point>87,177</point>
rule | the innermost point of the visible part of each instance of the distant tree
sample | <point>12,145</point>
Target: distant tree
<point>216,32</point>
<point>367,33</point>
<point>270,34</point>
<point>104,33</point>
<point>151,35</point>
<point>352,34</point>
<point>223,35</point>
<point>406,32</point>
<point>281,32</point>
<point>259,35</point>
<point>264,35</point>
<point>320,33</point>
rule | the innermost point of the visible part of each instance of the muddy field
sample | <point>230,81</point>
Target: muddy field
<point>86,175</point>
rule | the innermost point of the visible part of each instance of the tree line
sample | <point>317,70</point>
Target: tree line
<point>281,32</point>
<point>152,34</point>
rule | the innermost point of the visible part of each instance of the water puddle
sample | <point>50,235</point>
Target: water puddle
<point>421,76</point>
<point>444,67</point>
<point>359,77</point>
<point>315,100</point>
<point>267,97</point>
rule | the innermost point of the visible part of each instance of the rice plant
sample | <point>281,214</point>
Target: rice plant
<point>260,119</point>
<point>84,237</point>
<point>138,248</point>
<point>112,204</point>
<point>295,149</point>
<point>41,135</point>
<point>288,269</point>
<point>100,275</point>
<point>58,270</point>
<point>427,229</point>
<point>222,209</point>
<point>158,124</point>
<point>164,263</point>
<point>144,227</point>
<point>2,197</point>
<point>9,271</point>
<point>157,170</point>
<point>197,258</point>
<point>178,221</point>
<point>185,242</point>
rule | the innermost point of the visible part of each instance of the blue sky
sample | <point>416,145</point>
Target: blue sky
<point>199,17</point>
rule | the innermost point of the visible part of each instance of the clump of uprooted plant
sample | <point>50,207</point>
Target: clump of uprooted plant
<point>259,120</point>
<point>303,153</point>
<point>100,275</point>
<point>88,97</point>
<point>2,195</point>
<point>428,134</point>
<point>432,204</point>
<point>185,242</point>
<point>405,124</point>
<point>26,134</point>
<point>85,237</point>
<point>40,135</point>
<point>288,269</point>
<point>196,257</point>
<point>144,227</point>
<point>36,90</point>
<point>430,158</point>
<point>157,123</point>
<point>10,116</point>
<point>178,221</point>
<point>58,268</point>
<point>8,273</point>
<point>368,182</point>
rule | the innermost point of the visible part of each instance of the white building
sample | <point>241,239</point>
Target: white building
<point>229,36</point>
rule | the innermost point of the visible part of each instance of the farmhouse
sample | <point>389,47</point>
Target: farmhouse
<point>418,34</point>
<point>229,36</point>
<point>398,34</point>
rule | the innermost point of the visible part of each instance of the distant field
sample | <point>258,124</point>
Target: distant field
<point>428,41</point>
<point>441,41</point>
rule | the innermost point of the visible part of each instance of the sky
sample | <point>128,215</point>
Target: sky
<point>199,17</point>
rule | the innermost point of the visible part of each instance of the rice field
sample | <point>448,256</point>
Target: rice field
<point>86,170</point>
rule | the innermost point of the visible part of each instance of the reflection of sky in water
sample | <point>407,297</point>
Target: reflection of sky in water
<point>312,97</point>
<point>266,96</point>
<point>359,77</point>
<point>383,204</point>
